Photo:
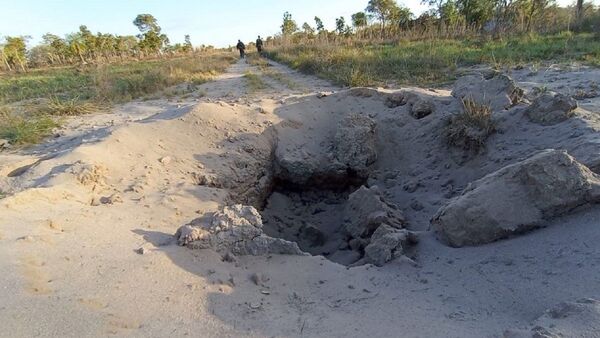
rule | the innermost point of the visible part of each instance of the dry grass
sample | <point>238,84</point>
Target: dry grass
<point>70,107</point>
<point>470,129</point>
<point>281,78</point>
<point>431,61</point>
<point>20,129</point>
<point>32,100</point>
<point>254,83</point>
<point>256,60</point>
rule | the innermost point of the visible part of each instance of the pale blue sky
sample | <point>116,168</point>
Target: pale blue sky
<point>218,23</point>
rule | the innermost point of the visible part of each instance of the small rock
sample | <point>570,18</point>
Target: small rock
<point>421,108</point>
<point>112,199</point>
<point>551,108</point>
<point>416,205</point>
<point>165,160</point>
<point>259,279</point>
<point>230,258</point>
<point>142,251</point>
<point>313,235</point>
<point>395,100</point>
<point>411,186</point>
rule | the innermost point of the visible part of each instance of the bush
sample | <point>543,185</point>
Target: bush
<point>70,107</point>
<point>470,129</point>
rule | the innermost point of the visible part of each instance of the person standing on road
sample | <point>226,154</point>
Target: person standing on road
<point>259,45</point>
<point>242,48</point>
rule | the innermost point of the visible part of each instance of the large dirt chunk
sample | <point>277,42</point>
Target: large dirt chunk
<point>587,151</point>
<point>375,226</point>
<point>355,144</point>
<point>338,156</point>
<point>386,244</point>
<point>516,198</point>
<point>235,229</point>
<point>366,210</point>
<point>499,92</point>
<point>569,319</point>
<point>551,108</point>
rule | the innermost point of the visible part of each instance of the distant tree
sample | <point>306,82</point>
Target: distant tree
<point>289,26</point>
<point>146,23</point>
<point>382,10</point>
<point>579,8</point>
<point>77,46</point>
<point>401,16</point>
<point>359,20</point>
<point>477,12</point>
<point>340,25</point>
<point>58,51</point>
<point>319,24</point>
<point>187,46</point>
<point>14,51</point>
<point>448,13</point>
<point>307,29</point>
<point>151,39</point>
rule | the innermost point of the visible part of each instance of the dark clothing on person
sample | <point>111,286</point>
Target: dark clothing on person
<point>242,48</point>
<point>259,45</point>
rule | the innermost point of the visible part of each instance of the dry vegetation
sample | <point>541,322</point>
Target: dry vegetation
<point>433,61</point>
<point>254,83</point>
<point>30,100</point>
<point>470,128</point>
<point>23,128</point>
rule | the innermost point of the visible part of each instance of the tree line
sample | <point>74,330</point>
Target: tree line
<point>82,47</point>
<point>386,19</point>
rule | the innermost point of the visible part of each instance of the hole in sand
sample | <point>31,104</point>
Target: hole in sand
<point>313,218</point>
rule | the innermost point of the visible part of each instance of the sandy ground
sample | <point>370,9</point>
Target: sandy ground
<point>82,205</point>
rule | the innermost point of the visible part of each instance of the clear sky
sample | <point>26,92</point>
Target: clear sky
<point>219,23</point>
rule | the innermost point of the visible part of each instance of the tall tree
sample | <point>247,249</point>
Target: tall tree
<point>289,26</point>
<point>340,25</point>
<point>448,13</point>
<point>319,24</point>
<point>359,20</point>
<point>307,29</point>
<point>146,23</point>
<point>579,14</point>
<point>187,46</point>
<point>382,10</point>
<point>401,17</point>
<point>476,12</point>
<point>14,51</point>
<point>151,40</point>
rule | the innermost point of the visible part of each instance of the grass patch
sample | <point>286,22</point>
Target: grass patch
<point>253,82</point>
<point>70,107</point>
<point>470,129</point>
<point>255,60</point>
<point>19,129</point>
<point>28,101</point>
<point>112,82</point>
<point>428,62</point>
<point>281,78</point>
